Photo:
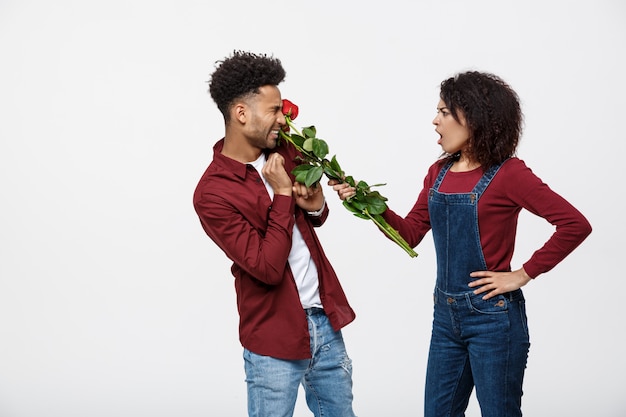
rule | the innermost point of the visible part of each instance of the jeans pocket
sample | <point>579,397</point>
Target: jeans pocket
<point>496,305</point>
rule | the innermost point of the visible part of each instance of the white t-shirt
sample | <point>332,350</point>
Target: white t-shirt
<point>302,266</point>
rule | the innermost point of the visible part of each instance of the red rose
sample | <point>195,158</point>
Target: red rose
<point>364,204</point>
<point>290,109</point>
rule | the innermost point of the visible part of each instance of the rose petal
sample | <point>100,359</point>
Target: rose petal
<point>290,109</point>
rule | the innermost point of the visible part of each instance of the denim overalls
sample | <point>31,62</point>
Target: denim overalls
<point>474,342</point>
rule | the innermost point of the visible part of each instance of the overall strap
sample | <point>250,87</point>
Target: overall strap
<point>442,174</point>
<point>484,181</point>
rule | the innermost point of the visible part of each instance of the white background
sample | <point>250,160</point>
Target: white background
<point>113,302</point>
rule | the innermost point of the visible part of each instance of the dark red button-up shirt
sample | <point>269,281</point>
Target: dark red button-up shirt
<point>255,233</point>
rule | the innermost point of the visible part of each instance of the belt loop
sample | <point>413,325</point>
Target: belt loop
<point>313,311</point>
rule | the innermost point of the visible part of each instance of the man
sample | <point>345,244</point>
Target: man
<point>290,302</point>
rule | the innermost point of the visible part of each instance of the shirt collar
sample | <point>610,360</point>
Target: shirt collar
<point>227,163</point>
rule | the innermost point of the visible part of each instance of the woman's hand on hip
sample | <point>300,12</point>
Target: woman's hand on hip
<point>494,283</point>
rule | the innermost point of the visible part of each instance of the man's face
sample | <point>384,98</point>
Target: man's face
<point>265,118</point>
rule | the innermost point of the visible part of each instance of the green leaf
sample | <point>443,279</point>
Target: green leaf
<point>320,148</point>
<point>330,172</point>
<point>309,132</point>
<point>300,172</point>
<point>347,204</point>
<point>362,186</point>
<point>375,205</point>
<point>376,194</point>
<point>308,145</point>
<point>354,210</point>
<point>334,164</point>
<point>301,168</point>
<point>357,204</point>
<point>313,176</point>
<point>301,177</point>
<point>297,139</point>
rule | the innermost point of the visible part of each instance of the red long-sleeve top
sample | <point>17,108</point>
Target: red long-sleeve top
<point>255,232</point>
<point>514,187</point>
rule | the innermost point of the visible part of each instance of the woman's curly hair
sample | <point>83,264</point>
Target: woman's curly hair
<point>492,112</point>
<point>240,74</point>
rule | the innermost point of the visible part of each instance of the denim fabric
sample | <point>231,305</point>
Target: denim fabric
<point>327,377</point>
<point>477,342</point>
<point>474,342</point>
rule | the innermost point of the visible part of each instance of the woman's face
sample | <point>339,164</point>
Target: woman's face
<point>453,135</point>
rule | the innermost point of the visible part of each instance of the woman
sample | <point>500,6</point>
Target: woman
<point>471,200</point>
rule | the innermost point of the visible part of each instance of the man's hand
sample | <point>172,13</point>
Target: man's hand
<point>275,174</point>
<point>309,199</point>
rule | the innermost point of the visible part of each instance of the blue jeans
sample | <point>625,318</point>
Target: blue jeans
<point>327,377</point>
<point>475,342</point>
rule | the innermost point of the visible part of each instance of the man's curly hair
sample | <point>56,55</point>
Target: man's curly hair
<point>241,74</point>
<point>492,112</point>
